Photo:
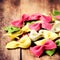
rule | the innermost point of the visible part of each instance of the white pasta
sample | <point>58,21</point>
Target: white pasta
<point>34,35</point>
<point>40,42</point>
<point>50,35</point>
<point>56,27</point>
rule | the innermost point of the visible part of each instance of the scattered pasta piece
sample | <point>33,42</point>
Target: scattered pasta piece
<point>50,35</point>
<point>40,42</point>
<point>26,28</point>
<point>16,34</point>
<point>58,42</point>
<point>56,27</point>
<point>46,25</point>
<point>57,17</point>
<point>25,42</point>
<point>11,29</point>
<point>46,18</point>
<point>38,50</point>
<point>17,23</point>
<point>35,26</point>
<point>12,44</point>
<point>34,35</point>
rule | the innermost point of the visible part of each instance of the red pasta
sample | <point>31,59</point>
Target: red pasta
<point>46,18</point>
<point>35,26</point>
<point>25,17</point>
<point>35,17</point>
<point>57,17</point>
<point>38,50</point>
<point>17,23</point>
<point>46,25</point>
<point>49,45</point>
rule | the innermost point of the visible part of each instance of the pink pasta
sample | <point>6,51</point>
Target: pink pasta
<point>46,18</point>
<point>35,26</point>
<point>17,23</point>
<point>38,50</point>
<point>57,17</point>
<point>46,25</point>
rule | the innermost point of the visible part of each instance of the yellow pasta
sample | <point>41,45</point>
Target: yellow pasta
<point>12,44</point>
<point>40,42</point>
<point>16,34</point>
<point>26,28</point>
<point>49,35</point>
<point>25,42</point>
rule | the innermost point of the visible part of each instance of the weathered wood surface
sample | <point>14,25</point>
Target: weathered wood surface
<point>13,9</point>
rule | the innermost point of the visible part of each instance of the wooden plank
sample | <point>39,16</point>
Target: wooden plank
<point>26,55</point>
<point>38,6</point>
<point>10,10</point>
<point>13,9</point>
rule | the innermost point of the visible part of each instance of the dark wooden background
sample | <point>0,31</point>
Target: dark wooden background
<point>13,9</point>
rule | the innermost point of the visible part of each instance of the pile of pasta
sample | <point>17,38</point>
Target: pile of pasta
<point>40,33</point>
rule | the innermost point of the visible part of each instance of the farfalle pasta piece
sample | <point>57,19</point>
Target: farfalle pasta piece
<point>50,52</point>
<point>46,22</point>
<point>57,17</point>
<point>12,44</point>
<point>40,42</point>
<point>56,12</point>
<point>15,35</point>
<point>41,32</point>
<point>46,25</point>
<point>17,23</point>
<point>11,29</point>
<point>57,21</point>
<point>46,18</point>
<point>58,42</point>
<point>50,45</point>
<point>34,35</point>
<point>38,50</point>
<point>35,17</point>
<point>26,28</point>
<point>26,17</point>
<point>25,42</point>
<point>50,35</point>
<point>35,26</point>
<point>56,27</point>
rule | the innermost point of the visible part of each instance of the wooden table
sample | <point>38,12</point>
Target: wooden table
<point>13,9</point>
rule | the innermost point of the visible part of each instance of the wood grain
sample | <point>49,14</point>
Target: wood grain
<point>38,6</point>
<point>13,9</point>
<point>9,11</point>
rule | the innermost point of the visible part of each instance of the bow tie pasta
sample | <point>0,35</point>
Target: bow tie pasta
<point>11,29</point>
<point>40,42</point>
<point>25,42</point>
<point>49,35</point>
<point>34,35</point>
<point>26,28</point>
<point>15,35</point>
<point>56,27</point>
<point>12,44</point>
